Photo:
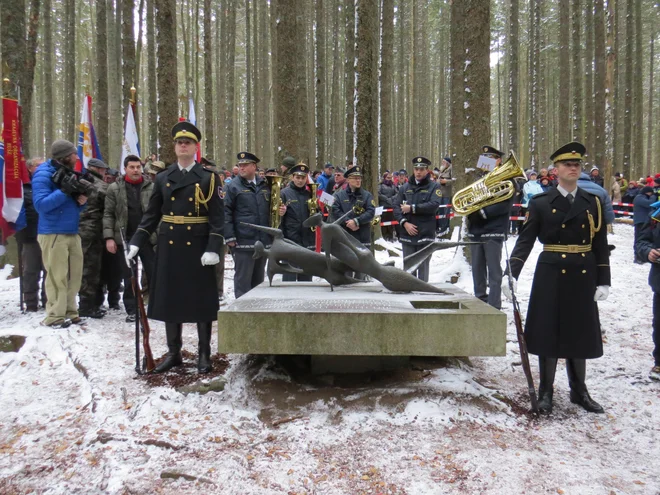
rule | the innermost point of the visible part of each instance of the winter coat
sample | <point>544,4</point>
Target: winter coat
<point>386,195</point>
<point>322,181</point>
<point>247,203</point>
<point>631,193</point>
<point>182,289</point>
<point>115,211</point>
<point>530,189</point>
<point>648,238</point>
<point>424,198</point>
<point>446,189</point>
<point>566,281</point>
<point>297,211</point>
<point>585,183</point>
<point>347,200</point>
<point>29,233</point>
<point>91,218</point>
<point>598,180</point>
<point>642,208</point>
<point>491,221</point>
<point>58,212</point>
<point>615,191</point>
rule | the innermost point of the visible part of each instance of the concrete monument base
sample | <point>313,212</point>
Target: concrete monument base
<point>306,318</point>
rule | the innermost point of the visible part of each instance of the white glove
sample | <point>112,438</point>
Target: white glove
<point>210,259</point>
<point>132,252</point>
<point>602,291</point>
<point>506,289</point>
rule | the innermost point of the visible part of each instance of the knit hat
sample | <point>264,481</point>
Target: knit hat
<point>646,190</point>
<point>62,148</point>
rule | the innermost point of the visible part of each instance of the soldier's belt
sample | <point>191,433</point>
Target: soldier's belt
<point>180,219</point>
<point>568,248</point>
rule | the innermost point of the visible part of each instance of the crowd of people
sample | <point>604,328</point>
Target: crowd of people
<point>181,219</point>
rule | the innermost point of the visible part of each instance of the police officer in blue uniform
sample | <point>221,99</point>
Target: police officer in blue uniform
<point>415,209</point>
<point>295,210</point>
<point>247,200</point>
<point>358,203</point>
<point>186,208</point>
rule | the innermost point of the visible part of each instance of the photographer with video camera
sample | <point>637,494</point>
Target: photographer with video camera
<point>59,196</point>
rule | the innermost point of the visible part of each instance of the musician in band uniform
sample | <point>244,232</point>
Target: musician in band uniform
<point>358,203</point>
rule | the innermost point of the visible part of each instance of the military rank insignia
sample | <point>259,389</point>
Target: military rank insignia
<point>221,193</point>
<point>438,193</point>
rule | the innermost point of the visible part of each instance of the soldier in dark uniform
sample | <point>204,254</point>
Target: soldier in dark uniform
<point>91,236</point>
<point>489,226</point>
<point>359,202</point>
<point>415,208</point>
<point>247,200</point>
<point>295,210</point>
<point>572,274</point>
<point>186,207</point>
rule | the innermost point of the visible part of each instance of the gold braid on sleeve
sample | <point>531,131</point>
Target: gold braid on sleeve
<point>199,195</point>
<point>593,229</point>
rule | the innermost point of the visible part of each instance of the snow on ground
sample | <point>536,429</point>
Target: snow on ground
<point>74,418</point>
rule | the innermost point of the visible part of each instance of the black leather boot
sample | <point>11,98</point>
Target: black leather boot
<point>204,334</point>
<point>577,372</point>
<point>547,368</point>
<point>173,357</point>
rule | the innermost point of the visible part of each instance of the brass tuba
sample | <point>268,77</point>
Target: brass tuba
<point>275,183</point>
<point>492,188</point>
<point>313,202</point>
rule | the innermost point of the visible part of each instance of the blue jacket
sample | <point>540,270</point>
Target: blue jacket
<point>249,203</point>
<point>585,182</point>
<point>648,238</point>
<point>322,181</point>
<point>642,208</point>
<point>58,212</point>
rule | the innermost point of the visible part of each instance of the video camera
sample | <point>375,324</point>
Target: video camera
<point>73,183</point>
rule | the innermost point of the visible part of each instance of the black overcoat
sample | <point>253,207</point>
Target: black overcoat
<point>562,318</point>
<point>182,289</point>
<point>424,199</point>
<point>297,211</point>
<point>362,208</point>
<point>247,203</point>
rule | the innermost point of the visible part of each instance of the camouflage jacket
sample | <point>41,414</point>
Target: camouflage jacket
<point>91,218</point>
<point>115,215</point>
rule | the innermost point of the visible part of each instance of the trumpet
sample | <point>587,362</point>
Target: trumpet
<point>275,183</point>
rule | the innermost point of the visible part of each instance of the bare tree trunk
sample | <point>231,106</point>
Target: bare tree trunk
<point>320,85</point>
<point>49,116</point>
<point>221,81</point>
<point>610,91</point>
<point>387,75</point>
<point>27,78</point>
<point>208,82</point>
<point>230,47</point>
<point>649,125</point>
<point>349,77</point>
<point>289,83</point>
<point>600,71</point>
<point>152,77</point>
<point>637,154</point>
<point>628,100</point>
<point>564,126</point>
<point>167,76</point>
<point>101,106</point>
<point>576,84</point>
<point>70,92</point>
<point>534,74</point>
<point>588,77</point>
<point>128,53</point>
<point>248,75</point>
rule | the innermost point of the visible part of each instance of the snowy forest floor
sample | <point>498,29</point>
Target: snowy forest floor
<point>75,419</point>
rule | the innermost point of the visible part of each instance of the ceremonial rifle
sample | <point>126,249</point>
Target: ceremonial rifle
<point>141,317</point>
<point>522,344</point>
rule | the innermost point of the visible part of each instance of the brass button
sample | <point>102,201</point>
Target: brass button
<point>190,214</point>
<point>563,256</point>
<point>171,227</point>
<point>188,243</point>
<point>563,225</point>
<point>584,255</point>
<point>172,198</point>
<point>190,228</point>
<point>582,225</point>
<point>171,213</point>
<point>584,241</point>
<point>554,211</point>
<point>563,271</point>
<point>167,185</point>
<point>171,242</point>
<point>584,271</point>
<point>190,199</point>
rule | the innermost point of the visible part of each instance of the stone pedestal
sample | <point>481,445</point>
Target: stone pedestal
<point>306,318</point>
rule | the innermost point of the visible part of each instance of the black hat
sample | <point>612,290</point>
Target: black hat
<point>354,170</point>
<point>618,174</point>
<point>403,171</point>
<point>489,150</point>
<point>270,171</point>
<point>186,130</point>
<point>447,159</point>
<point>289,162</point>
<point>570,151</point>
<point>421,162</point>
<point>247,157</point>
<point>95,162</point>
<point>300,169</point>
<point>113,172</point>
<point>328,165</point>
<point>646,190</point>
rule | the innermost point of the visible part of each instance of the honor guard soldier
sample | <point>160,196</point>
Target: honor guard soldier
<point>247,200</point>
<point>489,226</point>
<point>187,209</point>
<point>359,202</point>
<point>296,199</point>
<point>415,209</point>
<point>572,275</point>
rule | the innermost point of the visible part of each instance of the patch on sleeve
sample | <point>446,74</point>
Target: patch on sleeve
<point>373,202</point>
<point>221,193</point>
<point>526,218</point>
<point>438,193</point>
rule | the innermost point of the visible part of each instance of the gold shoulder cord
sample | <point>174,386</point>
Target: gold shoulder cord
<point>593,229</point>
<point>199,195</point>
